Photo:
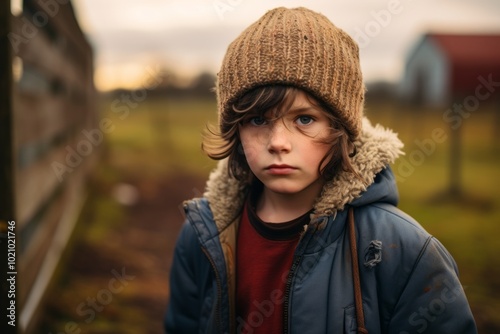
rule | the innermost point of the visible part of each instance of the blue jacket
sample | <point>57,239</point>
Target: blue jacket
<point>409,281</point>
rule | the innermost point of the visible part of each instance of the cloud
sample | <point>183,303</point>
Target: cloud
<point>190,44</point>
<point>190,35</point>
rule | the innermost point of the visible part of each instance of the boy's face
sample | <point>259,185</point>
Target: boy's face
<point>285,153</point>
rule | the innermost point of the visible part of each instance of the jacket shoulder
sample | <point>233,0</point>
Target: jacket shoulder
<point>387,223</point>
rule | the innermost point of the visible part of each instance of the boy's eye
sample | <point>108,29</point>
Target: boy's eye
<point>257,120</point>
<point>304,120</point>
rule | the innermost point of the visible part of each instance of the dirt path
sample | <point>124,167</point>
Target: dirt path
<point>120,285</point>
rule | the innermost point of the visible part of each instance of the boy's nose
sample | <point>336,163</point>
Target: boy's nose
<point>278,141</point>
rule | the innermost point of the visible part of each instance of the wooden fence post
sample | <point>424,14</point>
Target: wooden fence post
<point>6,164</point>
<point>6,140</point>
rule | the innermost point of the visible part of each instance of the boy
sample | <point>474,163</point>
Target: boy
<point>298,230</point>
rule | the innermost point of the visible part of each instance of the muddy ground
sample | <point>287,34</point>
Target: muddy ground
<point>116,279</point>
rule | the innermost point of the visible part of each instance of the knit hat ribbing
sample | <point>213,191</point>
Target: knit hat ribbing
<point>296,47</point>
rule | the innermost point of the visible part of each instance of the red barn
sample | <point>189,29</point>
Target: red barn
<point>443,67</point>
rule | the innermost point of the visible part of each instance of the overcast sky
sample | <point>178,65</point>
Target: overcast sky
<point>189,36</point>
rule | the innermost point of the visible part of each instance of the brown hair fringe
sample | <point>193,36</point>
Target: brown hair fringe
<point>225,142</point>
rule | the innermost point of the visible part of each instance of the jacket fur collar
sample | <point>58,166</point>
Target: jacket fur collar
<point>376,147</point>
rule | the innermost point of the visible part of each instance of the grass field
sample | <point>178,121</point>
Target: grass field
<point>158,138</point>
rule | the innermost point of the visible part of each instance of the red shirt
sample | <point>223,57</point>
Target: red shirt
<point>264,257</point>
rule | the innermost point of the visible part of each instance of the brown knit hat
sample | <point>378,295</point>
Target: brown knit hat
<point>296,47</point>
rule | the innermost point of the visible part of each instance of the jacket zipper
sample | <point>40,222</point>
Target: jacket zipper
<point>218,316</point>
<point>286,300</point>
<point>288,286</point>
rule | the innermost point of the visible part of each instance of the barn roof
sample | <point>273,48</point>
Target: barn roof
<point>469,48</point>
<point>470,56</point>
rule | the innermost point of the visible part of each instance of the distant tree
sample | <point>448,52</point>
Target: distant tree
<point>203,84</point>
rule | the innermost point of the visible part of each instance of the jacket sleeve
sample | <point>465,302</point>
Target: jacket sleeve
<point>433,300</point>
<point>184,305</point>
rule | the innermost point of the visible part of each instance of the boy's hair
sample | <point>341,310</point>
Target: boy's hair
<point>276,99</point>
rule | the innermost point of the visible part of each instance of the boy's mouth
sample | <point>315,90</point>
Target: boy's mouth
<point>280,169</point>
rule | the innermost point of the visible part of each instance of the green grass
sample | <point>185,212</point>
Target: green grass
<point>161,137</point>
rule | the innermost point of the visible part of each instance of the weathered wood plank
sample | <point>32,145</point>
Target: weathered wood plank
<point>6,135</point>
<point>48,105</point>
<point>37,49</point>
<point>39,241</point>
<point>39,118</point>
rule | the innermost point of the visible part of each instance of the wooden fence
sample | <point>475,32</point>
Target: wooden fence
<point>47,142</point>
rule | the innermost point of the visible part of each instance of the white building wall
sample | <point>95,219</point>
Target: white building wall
<point>429,68</point>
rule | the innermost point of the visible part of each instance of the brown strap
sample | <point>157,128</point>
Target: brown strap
<point>358,299</point>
